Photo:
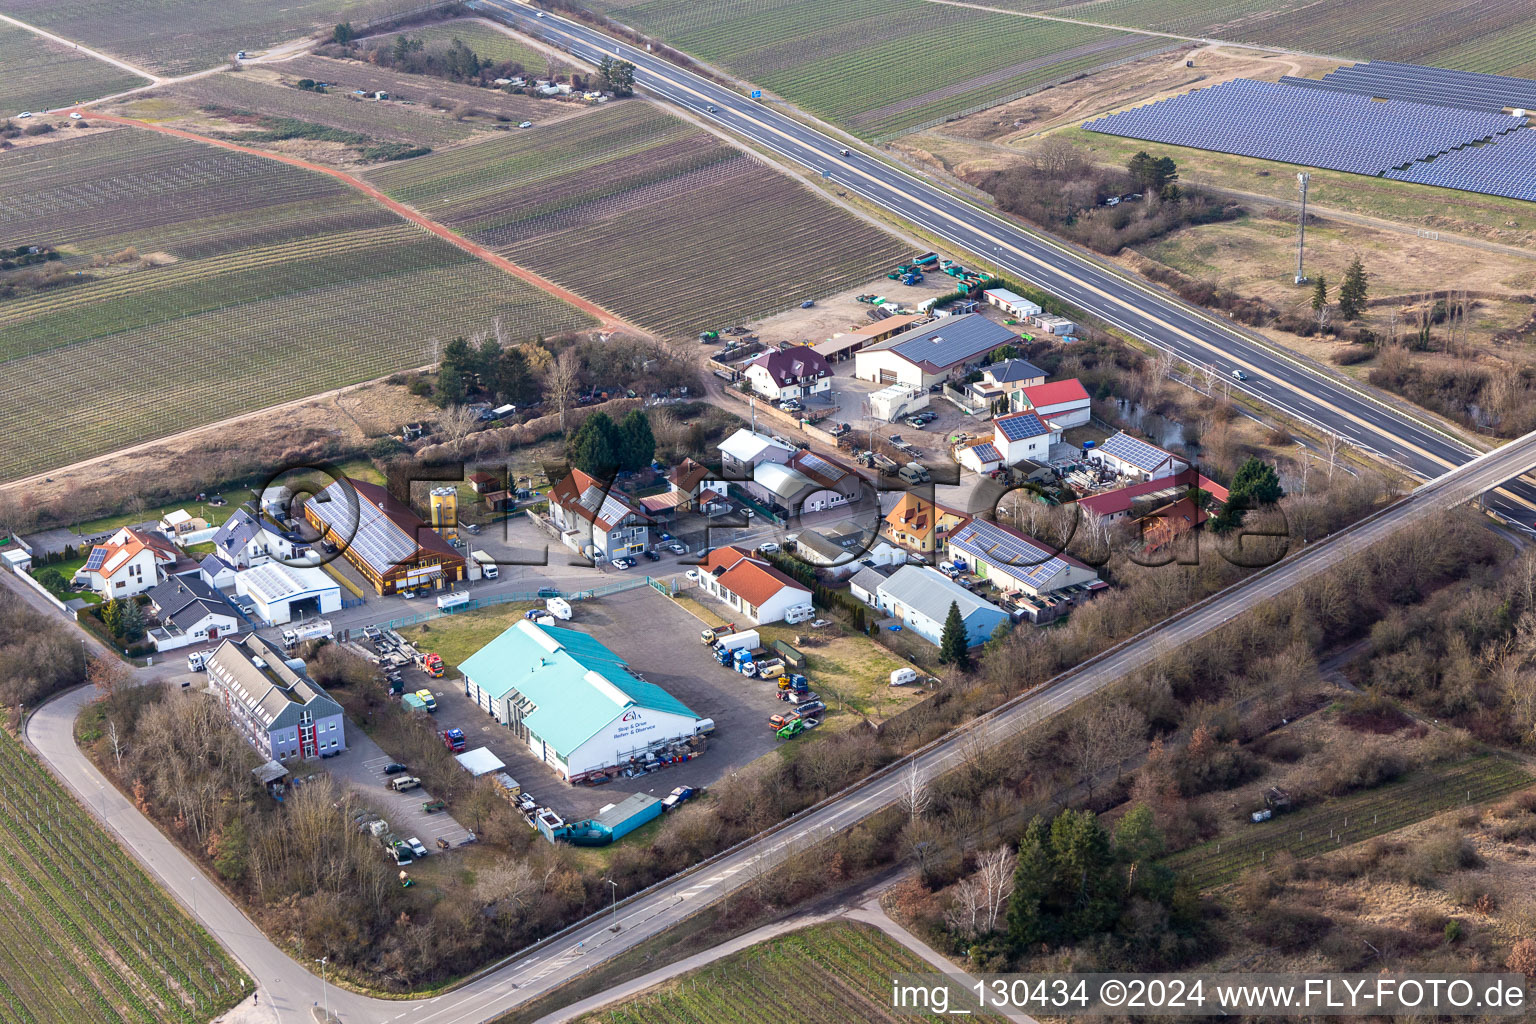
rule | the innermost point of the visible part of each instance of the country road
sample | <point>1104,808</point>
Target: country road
<point>291,989</point>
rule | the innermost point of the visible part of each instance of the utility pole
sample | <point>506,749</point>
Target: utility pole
<point>325,992</point>
<point>615,903</point>
<point>1301,227</point>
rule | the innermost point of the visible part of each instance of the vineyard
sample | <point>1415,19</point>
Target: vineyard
<point>231,283</point>
<point>87,935</point>
<point>182,36</point>
<point>1316,830</point>
<point>1497,36</point>
<point>648,216</point>
<point>41,75</point>
<point>882,68</point>
<point>828,974</point>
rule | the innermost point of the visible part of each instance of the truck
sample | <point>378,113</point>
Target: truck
<point>427,700</point>
<point>487,564</point>
<point>430,663</point>
<point>745,640</point>
<point>453,739</point>
<point>314,629</point>
<point>197,661</point>
<point>709,636</point>
<point>447,602</point>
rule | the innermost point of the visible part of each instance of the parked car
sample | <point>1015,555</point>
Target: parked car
<point>651,556</point>
<point>417,850</point>
<point>769,548</point>
<point>692,574</point>
<point>527,124</point>
<point>677,549</point>
<point>676,797</point>
<point>395,768</point>
<point>624,562</point>
<point>409,595</point>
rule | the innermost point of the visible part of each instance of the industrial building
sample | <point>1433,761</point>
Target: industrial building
<point>807,482</point>
<point>1011,302</point>
<point>1135,458</point>
<point>282,593</point>
<point>283,713</point>
<point>576,704</point>
<point>383,538</point>
<point>921,596</point>
<point>1013,561</point>
<point>927,357</point>
<point>844,346</point>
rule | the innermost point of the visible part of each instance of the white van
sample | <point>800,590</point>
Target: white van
<point>800,613</point>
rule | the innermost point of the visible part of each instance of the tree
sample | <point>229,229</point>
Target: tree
<point>637,445</point>
<point>52,579</point>
<point>560,382</point>
<point>107,674</point>
<point>132,622</point>
<point>1319,294</point>
<point>1352,291</point>
<point>1151,173</point>
<point>1255,484</point>
<point>597,446</point>
<point>954,643</point>
<point>510,378</point>
<point>456,423</point>
<point>1033,879</point>
<point>343,33</point>
<point>618,76</point>
<point>1171,193</point>
<point>112,616</point>
<point>454,371</point>
<point>230,849</point>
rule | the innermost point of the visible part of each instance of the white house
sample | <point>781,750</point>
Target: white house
<point>245,541</point>
<point>130,562</point>
<point>751,586</point>
<point>746,449</point>
<point>1011,302</point>
<point>182,526</point>
<point>1062,403</point>
<point>575,703</point>
<point>1136,459</point>
<point>797,372</point>
<point>597,520</point>
<point>282,593</point>
<point>1023,435</point>
<point>979,456</point>
<point>1014,561</point>
<point>190,612</point>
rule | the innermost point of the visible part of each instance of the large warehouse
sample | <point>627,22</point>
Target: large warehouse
<point>927,357</point>
<point>380,535</point>
<point>282,593</point>
<point>575,703</point>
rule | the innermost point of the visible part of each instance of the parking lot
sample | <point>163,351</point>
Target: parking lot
<point>661,643</point>
<point>361,769</point>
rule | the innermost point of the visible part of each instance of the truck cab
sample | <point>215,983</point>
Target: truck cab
<point>453,739</point>
<point>427,700</point>
<point>197,661</point>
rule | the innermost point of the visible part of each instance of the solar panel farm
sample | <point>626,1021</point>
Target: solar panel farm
<point>873,67</point>
<point>208,266</point>
<point>597,201</point>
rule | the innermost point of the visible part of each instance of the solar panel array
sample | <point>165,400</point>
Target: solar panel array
<point>1504,168</point>
<point>1021,556</point>
<point>98,556</point>
<point>1135,451</point>
<point>364,528</point>
<point>1312,127</point>
<point>1441,87</point>
<point>816,464</point>
<point>956,339</point>
<point>1020,425</point>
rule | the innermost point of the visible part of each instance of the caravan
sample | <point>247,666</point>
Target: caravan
<point>799,613</point>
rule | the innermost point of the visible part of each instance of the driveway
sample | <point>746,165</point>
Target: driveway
<point>361,769</point>
<point>660,640</point>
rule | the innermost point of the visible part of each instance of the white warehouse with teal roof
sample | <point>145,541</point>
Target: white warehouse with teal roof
<point>575,703</point>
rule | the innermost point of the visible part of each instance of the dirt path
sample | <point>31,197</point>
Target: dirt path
<point>603,316</point>
<point>82,49</point>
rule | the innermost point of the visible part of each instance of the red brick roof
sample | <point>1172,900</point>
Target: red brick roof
<point>752,580</point>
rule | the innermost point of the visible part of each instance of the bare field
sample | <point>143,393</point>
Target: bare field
<point>40,74</point>
<point>648,216</point>
<point>219,283</point>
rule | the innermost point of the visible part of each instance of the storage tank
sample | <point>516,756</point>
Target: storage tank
<point>443,509</point>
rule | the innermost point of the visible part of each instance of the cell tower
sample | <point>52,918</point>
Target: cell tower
<point>1301,227</point>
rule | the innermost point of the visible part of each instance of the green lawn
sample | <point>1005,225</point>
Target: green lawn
<point>456,637</point>
<point>487,42</point>
<point>214,514</point>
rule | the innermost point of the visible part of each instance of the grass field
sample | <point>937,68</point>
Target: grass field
<point>456,637</point>
<point>648,216</point>
<point>1333,824</point>
<point>87,935</point>
<point>487,42</point>
<point>175,37</point>
<point>881,68</point>
<point>267,283</point>
<point>40,74</point>
<point>1496,36</point>
<point>831,972</point>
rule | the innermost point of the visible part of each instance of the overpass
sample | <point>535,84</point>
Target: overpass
<point>1376,423</point>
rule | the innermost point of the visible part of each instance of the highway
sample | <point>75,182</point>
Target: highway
<point>1376,423</point>
<point>288,989</point>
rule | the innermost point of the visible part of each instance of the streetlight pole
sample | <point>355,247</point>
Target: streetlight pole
<point>324,991</point>
<point>615,903</point>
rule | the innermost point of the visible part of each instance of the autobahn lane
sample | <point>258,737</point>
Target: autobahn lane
<point>1373,422</point>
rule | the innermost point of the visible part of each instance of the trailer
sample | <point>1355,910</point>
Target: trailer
<point>448,602</point>
<point>747,639</point>
<point>487,564</point>
<point>559,607</point>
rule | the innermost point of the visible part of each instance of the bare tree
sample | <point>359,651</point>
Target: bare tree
<point>1104,737</point>
<point>979,898</point>
<point>1210,375</point>
<point>1332,444</point>
<point>560,382</point>
<point>457,422</point>
<point>914,792</point>
<point>107,675</point>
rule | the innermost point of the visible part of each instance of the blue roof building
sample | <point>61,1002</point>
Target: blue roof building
<point>577,705</point>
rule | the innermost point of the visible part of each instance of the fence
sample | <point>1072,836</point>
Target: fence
<point>514,596</point>
<point>29,581</point>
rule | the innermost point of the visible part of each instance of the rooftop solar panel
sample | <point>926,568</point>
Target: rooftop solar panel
<point>98,555</point>
<point>1022,556</point>
<point>816,464</point>
<point>1020,425</point>
<point>1135,451</point>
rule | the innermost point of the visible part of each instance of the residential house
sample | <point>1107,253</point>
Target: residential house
<point>807,482</point>
<point>189,612</point>
<point>1011,560</point>
<point>751,586</point>
<point>920,597</point>
<point>865,584</point>
<point>179,524</point>
<point>273,703</point>
<point>745,450</point>
<point>923,358</point>
<point>596,519</point>
<point>796,372</point>
<point>1023,435</point>
<point>245,540</point>
<point>1061,403</point>
<point>979,455</point>
<point>1001,386</point>
<point>921,525</point>
<point>1137,459</point>
<point>129,562</point>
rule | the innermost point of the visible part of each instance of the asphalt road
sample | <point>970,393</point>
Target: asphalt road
<point>1373,422</point>
<point>291,989</point>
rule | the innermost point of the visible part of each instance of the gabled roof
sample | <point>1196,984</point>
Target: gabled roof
<point>793,365</point>
<point>380,530</point>
<point>255,672</point>
<point>1017,426</point>
<point>577,686</point>
<point>917,516</point>
<point>1057,392</point>
<point>1011,370</point>
<point>1135,451</point>
<point>687,475</point>
<point>238,531</point>
<point>930,592</point>
<point>584,495</point>
<point>213,565</point>
<point>1112,503</point>
<point>107,560</point>
<point>164,550</point>
<point>951,342</point>
<point>886,324</point>
<point>783,480</point>
<point>275,582</point>
<point>821,469</point>
<point>1016,554</point>
<point>868,579</point>
<point>751,579</point>
<point>748,445</point>
<point>177,592</point>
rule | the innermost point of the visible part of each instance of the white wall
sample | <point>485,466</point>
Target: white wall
<point>634,729</point>
<point>867,366</point>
